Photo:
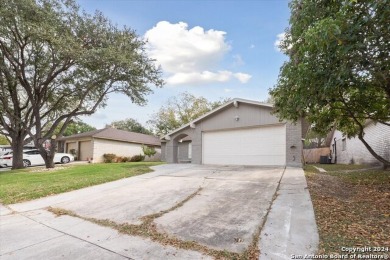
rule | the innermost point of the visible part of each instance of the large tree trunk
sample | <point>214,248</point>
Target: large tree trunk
<point>386,163</point>
<point>17,152</point>
<point>48,154</point>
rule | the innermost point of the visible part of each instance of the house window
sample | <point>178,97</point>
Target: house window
<point>344,144</point>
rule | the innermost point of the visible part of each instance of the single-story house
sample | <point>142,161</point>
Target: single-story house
<point>92,145</point>
<point>240,132</point>
<point>352,150</point>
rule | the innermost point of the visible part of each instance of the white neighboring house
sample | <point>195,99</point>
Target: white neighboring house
<point>353,151</point>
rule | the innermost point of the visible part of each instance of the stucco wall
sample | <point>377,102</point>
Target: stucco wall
<point>377,136</point>
<point>163,151</point>
<point>248,116</point>
<point>102,146</point>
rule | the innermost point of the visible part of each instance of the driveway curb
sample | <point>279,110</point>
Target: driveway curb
<point>290,228</point>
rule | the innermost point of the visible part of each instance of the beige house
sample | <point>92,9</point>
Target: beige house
<point>92,145</point>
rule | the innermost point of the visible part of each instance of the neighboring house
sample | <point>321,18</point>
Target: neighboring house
<point>353,151</point>
<point>92,145</point>
<point>240,132</point>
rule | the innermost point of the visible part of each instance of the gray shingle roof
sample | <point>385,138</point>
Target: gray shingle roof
<point>118,135</point>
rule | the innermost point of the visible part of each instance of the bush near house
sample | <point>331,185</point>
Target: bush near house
<point>137,158</point>
<point>148,151</point>
<point>112,158</point>
<point>109,157</point>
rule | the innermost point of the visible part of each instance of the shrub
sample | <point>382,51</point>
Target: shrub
<point>149,151</point>
<point>109,157</point>
<point>137,158</point>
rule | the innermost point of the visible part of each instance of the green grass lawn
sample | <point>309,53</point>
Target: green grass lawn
<point>27,184</point>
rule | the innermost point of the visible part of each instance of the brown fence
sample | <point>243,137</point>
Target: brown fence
<point>313,155</point>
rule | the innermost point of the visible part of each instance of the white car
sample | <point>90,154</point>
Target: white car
<point>33,157</point>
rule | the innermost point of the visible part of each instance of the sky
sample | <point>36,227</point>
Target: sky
<point>211,48</point>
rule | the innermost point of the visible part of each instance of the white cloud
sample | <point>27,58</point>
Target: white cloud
<point>188,55</point>
<point>252,46</point>
<point>227,90</point>
<point>242,77</point>
<point>280,37</point>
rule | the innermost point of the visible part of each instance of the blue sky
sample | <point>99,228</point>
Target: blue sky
<point>214,48</point>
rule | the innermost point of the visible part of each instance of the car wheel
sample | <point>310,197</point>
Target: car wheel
<point>26,163</point>
<point>65,159</point>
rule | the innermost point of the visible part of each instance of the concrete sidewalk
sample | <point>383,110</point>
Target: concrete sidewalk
<point>290,227</point>
<point>40,234</point>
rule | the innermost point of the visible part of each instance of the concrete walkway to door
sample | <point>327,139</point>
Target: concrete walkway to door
<point>219,207</point>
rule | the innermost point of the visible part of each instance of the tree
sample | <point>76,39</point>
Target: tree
<point>338,72</point>
<point>3,140</point>
<point>181,110</point>
<point>131,125</point>
<point>148,151</point>
<point>77,127</point>
<point>57,63</point>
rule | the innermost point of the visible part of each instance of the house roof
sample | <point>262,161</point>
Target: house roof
<point>231,102</point>
<point>117,135</point>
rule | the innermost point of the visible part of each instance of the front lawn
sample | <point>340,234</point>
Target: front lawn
<point>352,209</point>
<point>27,184</point>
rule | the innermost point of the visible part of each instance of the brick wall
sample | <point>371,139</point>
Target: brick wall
<point>354,151</point>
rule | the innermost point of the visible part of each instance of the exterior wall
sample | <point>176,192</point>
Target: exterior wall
<point>377,136</point>
<point>102,146</point>
<point>163,151</point>
<point>294,144</point>
<point>248,116</point>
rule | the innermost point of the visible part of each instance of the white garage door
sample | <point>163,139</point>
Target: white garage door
<point>251,146</point>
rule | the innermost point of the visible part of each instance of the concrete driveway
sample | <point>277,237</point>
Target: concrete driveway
<point>222,208</point>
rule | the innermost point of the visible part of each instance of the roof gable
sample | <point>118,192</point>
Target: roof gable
<point>234,102</point>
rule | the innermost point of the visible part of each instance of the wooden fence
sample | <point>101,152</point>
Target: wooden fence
<point>313,155</point>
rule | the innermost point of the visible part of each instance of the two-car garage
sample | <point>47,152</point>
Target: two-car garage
<point>250,146</point>
<point>240,132</point>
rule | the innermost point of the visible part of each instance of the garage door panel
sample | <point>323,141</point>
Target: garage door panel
<point>253,146</point>
<point>85,150</point>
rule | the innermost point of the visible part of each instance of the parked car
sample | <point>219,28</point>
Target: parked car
<point>33,157</point>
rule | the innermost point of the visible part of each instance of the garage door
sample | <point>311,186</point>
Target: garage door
<point>85,150</point>
<point>251,146</point>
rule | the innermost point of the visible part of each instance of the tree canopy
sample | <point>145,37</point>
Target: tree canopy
<point>3,140</point>
<point>338,72</point>
<point>57,63</point>
<point>77,127</point>
<point>180,110</point>
<point>130,125</point>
